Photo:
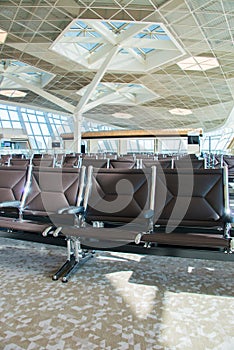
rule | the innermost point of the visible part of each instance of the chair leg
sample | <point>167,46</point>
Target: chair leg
<point>76,257</point>
<point>75,267</point>
<point>61,270</point>
<point>67,264</point>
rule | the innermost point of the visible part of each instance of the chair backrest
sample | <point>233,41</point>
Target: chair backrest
<point>70,161</point>
<point>162,163</point>
<point>12,182</point>
<point>5,159</point>
<point>20,162</point>
<point>52,189</point>
<point>188,197</point>
<point>18,156</point>
<point>185,163</point>
<point>122,164</point>
<point>96,163</point>
<point>118,195</point>
<point>43,160</point>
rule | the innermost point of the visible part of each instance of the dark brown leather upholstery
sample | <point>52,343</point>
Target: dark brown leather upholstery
<point>190,197</point>
<point>4,159</point>
<point>52,189</point>
<point>19,162</point>
<point>118,195</point>
<point>96,163</point>
<point>43,160</point>
<point>115,206</point>
<point>117,198</point>
<point>70,161</point>
<point>12,182</point>
<point>188,239</point>
<point>185,163</point>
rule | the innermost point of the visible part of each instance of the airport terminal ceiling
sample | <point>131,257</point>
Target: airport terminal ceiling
<point>133,64</point>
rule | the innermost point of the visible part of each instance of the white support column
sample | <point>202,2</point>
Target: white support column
<point>160,145</point>
<point>96,80</point>
<point>156,145</point>
<point>122,146</point>
<point>77,132</point>
<point>93,146</point>
<point>80,108</point>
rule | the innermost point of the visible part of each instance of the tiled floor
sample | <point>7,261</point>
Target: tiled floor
<point>116,301</point>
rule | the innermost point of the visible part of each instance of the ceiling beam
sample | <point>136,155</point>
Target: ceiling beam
<point>106,33</point>
<point>134,54</point>
<point>29,86</point>
<point>149,44</point>
<point>102,100</point>
<point>100,54</point>
<point>129,33</point>
<point>96,80</point>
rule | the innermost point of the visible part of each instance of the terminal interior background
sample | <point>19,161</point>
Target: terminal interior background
<point>104,65</point>
<point>68,67</point>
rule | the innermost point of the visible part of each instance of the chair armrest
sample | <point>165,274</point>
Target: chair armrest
<point>10,204</point>
<point>228,217</point>
<point>71,210</point>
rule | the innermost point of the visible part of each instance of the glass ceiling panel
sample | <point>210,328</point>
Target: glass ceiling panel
<point>82,29</point>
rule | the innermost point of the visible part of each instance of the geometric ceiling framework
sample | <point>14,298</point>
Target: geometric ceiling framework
<point>137,47</point>
<point>118,93</point>
<point>142,45</point>
<point>172,64</point>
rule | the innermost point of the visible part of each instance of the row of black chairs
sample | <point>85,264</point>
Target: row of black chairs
<point>102,208</point>
<point>76,160</point>
<point>125,161</point>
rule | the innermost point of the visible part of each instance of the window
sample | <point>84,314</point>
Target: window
<point>41,127</point>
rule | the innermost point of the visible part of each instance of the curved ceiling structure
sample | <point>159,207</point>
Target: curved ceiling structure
<point>167,64</point>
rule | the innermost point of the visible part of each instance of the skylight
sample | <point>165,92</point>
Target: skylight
<point>142,45</point>
<point>23,71</point>
<point>198,63</point>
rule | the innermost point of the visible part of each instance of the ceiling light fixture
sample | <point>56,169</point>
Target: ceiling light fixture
<point>180,111</point>
<point>13,93</point>
<point>122,115</point>
<point>3,35</point>
<point>198,63</point>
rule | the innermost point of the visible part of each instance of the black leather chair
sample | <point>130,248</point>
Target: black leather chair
<point>192,209</point>
<point>50,199</point>
<point>117,210</point>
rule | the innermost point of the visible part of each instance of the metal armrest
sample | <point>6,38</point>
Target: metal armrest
<point>148,214</point>
<point>71,210</point>
<point>228,217</point>
<point>10,204</point>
